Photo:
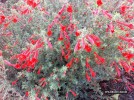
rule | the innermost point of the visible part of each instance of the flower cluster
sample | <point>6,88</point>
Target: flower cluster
<point>29,57</point>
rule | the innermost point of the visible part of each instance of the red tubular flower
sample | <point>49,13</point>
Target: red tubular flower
<point>99,2</point>
<point>69,9</point>
<point>67,45</point>
<point>25,11</point>
<point>30,2</point>
<point>63,17</point>
<point>93,74</point>
<point>36,53</point>
<point>111,27</point>
<point>67,56</point>
<point>87,48</point>
<point>0,53</point>
<point>21,57</point>
<point>33,41</point>
<point>128,55</point>
<point>49,44</point>
<point>29,63</point>
<point>107,14</point>
<point>26,93</point>
<point>63,28</point>
<point>14,82</point>
<point>34,60</point>
<point>2,19</point>
<point>15,19</point>
<point>62,51</point>
<point>17,66</point>
<point>66,95</point>
<point>87,77</point>
<point>34,4</point>
<point>8,63</point>
<point>73,93</point>
<point>61,10</point>
<point>77,33</point>
<point>130,26</point>
<point>77,46</point>
<point>60,37</point>
<point>117,69</point>
<point>6,25</point>
<point>125,66</point>
<point>43,82</point>
<point>123,9</point>
<point>39,44</point>
<point>95,39</point>
<point>83,43</point>
<point>86,63</point>
<point>99,59</point>
<point>69,64</point>
<point>49,33</point>
<point>39,70</point>
<point>120,48</point>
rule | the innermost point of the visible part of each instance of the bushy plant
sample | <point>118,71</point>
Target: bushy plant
<point>62,49</point>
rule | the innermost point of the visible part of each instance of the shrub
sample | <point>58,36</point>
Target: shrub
<point>63,49</point>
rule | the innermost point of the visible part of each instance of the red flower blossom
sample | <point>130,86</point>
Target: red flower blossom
<point>77,33</point>
<point>39,70</point>
<point>17,66</point>
<point>77,46</point>
<point>66,56</point>
<point>26,93</point>
<point>32,3</point>
<point>69,9</point>
<point>6,25</point>
<point>66,95</point>
<point>123,9</point>
<point>0,53</point>
<point>125,65</point>
<point>107,14</point>
<point>14,82</point>
<point>87,48</point>
<point>87,64</point>
<point>63,28</point>
<point>43,82</point>
<point>94,40</point>
<point>2,19</point>
<point>62,52</point>
<point>67,45</point>
<point>128,55</point>
<point>99,59</point>
<point>93,74</point>
<point>87,77</point>
<point>73,93</point>
<point>34,60</point>
<point>117,69</point>
<point>63,17</point>
<point>99,2</point>
<point>61,10</point>
<point>49,33</point>
<point>25,11</point>
<point>21,57</point>
<point>130,26</point>
<point>69,64</point>
<point>111,27</point>
<point>15,19</point>
<point>60,37</point>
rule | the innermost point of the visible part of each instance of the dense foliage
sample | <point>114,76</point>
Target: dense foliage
<point>61,49</point>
